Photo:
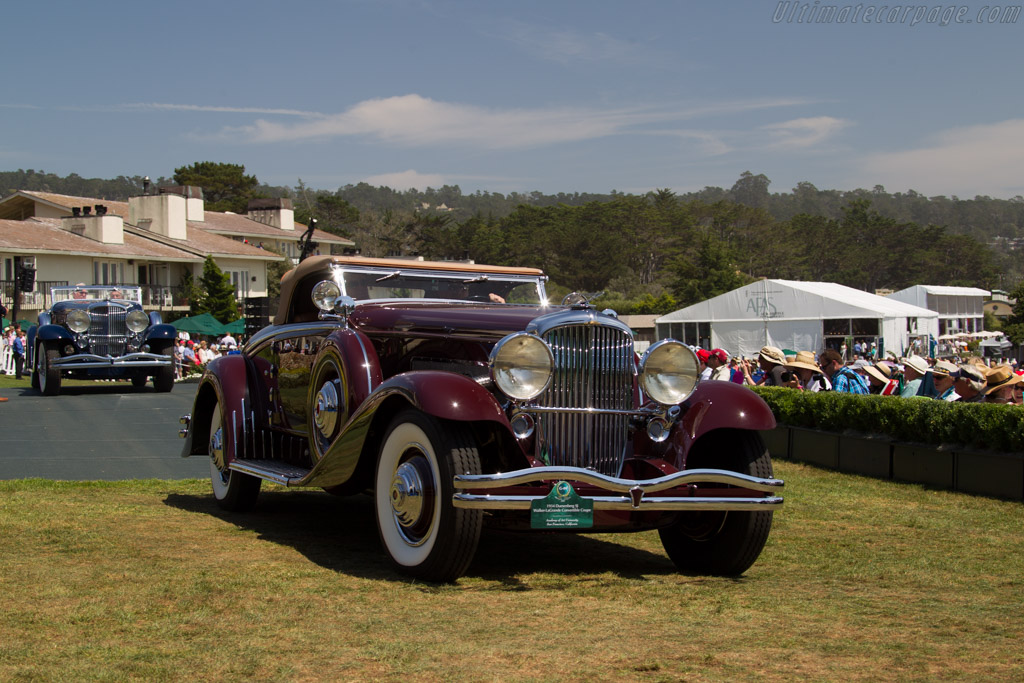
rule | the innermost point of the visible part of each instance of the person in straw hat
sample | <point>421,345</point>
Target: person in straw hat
<point>914,370</point>
<point>1000,382</point>
<point>942,377</point>
<point>809,375</point>
<point>881,380</point>
<point>969,383</point>
<point>772,361</point>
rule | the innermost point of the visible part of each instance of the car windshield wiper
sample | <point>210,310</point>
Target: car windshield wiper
<point>389,276</point>
<point>482,278</point>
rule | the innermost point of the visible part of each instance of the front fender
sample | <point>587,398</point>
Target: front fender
<point>224,382</point>
<point>721,405</point>
<point>161,331</point>
<point>444,395</point>
<point>53,333</point>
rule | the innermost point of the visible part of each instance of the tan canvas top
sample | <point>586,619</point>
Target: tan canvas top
<point>316,263</point>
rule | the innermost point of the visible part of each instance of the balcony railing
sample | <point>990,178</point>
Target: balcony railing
<point>154,297</point>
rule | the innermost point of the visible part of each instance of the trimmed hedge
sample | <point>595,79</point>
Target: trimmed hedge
<point>988,426</point>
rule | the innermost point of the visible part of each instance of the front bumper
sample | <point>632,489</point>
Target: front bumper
<point>684,487</point>
<point>131,360</point>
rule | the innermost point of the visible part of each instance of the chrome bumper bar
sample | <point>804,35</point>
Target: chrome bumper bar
<point>635,490</point>
<point>131,360</point>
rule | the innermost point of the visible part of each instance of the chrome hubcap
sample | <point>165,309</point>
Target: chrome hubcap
<point>217,448</point>
<point>325,412</point>
<point>412,499</point>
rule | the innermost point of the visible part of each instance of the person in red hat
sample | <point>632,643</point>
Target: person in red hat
<point>702,356</point>
<point>718,361</point>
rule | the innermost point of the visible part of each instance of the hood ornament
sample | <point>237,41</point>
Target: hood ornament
<point>580,300</point>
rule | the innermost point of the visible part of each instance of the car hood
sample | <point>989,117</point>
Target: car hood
<point>480,320</point>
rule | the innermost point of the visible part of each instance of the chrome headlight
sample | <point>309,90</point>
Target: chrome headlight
<point>325,293</point>
<point>137,321</point>
<point>77,321</point>
<point>669,372</point>
<point>521,365</point>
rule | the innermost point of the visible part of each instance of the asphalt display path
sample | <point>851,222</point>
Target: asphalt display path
<point>104,431</point>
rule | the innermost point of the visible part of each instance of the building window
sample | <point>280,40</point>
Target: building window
<point>240,281</point>
<point>108,273</point>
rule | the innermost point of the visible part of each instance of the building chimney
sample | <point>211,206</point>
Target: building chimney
<point>163,214</point>
<point>101,226</point>
<point>276,213</point>
<point>194,206</point>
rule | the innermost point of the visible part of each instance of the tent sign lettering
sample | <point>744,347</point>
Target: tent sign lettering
<point>762,307</point>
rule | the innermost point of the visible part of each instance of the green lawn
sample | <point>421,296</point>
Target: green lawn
<point>861,580</point>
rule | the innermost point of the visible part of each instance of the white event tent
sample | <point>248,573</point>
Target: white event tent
<point>801,316</point>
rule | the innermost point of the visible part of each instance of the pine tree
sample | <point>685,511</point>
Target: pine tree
<point>218,295</point>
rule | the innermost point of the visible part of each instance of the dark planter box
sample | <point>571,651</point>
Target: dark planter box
<point>990,474</point>
<point>814,447</point>
<point>921,464</point>
<point>777,441</point>
<point>867,455</point>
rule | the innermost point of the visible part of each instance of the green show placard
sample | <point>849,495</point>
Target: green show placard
<point>562,508</point>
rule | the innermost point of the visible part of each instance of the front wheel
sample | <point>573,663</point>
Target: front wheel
<point>163,380</point>
<point>49,376</point>
<point>423,533</point>
<point>232,490</point>
<point>722,543</point>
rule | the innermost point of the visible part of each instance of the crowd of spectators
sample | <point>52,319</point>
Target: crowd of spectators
<point>969,381</point>
<point>191,357</point>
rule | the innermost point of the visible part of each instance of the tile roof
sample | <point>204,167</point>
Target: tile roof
<point>45,235</point>
<point>236,224</point>
<point>198,243</point>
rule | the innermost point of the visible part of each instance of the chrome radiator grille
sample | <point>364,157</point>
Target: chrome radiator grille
<point>593,369</point>
<point>108,330</point>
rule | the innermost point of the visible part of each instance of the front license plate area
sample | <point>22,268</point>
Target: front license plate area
<point>562,508</point>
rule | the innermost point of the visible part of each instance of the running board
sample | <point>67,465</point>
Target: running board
<point>277,471</point>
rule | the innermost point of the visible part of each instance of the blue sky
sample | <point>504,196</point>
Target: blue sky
<point>554,95</point>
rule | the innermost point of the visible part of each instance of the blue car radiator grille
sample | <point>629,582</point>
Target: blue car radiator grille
<point>108,331</point>
<point>593,369</point>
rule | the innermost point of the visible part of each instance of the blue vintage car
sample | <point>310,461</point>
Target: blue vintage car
<point>100,332</point>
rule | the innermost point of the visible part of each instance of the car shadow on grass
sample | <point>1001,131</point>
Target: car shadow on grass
<point>340,534</point>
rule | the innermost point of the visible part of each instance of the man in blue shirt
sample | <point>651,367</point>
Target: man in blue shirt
<point>843,378</point>
<point>19,351</point>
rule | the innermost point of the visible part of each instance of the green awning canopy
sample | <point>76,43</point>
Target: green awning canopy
<point>25,324</point>
<point>236,327</point>
<point>204,323</point>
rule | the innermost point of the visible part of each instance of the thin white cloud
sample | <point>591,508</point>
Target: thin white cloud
<point>406,180</point>
<point>159,106</point>
<point>566,46</point>
<point>804,132</point>
<point>982,159</point>
<point>417,121</point>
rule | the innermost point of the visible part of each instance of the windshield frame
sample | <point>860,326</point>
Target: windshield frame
<point>408,276</point>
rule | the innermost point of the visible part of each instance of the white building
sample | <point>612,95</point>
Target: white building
<point>801,316</point>
<point>150,240</point>
<point>961,309</point>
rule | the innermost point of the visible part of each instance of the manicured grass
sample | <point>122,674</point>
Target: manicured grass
<point>861,580</point>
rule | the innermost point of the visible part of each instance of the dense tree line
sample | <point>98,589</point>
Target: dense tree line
<point>656,252</point>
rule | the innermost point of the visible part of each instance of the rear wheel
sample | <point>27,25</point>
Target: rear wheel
<point>423,533</point>
<point>49,376</point>
<point>722,543</point>
<point>232,490</point>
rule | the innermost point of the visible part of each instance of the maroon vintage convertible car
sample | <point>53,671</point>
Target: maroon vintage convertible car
<point>459,398</point>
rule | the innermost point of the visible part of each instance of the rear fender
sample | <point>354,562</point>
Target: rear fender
<point>444,395</point>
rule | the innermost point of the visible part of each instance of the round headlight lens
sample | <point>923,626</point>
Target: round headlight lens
<point>77,321</point>
<point>137,321</point>
<point>325,293</point>
<point>669,372</point>
<point>521,365</point>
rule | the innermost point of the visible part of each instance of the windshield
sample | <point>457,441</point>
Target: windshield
<point>466,286</point>
<point>95,293</point>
